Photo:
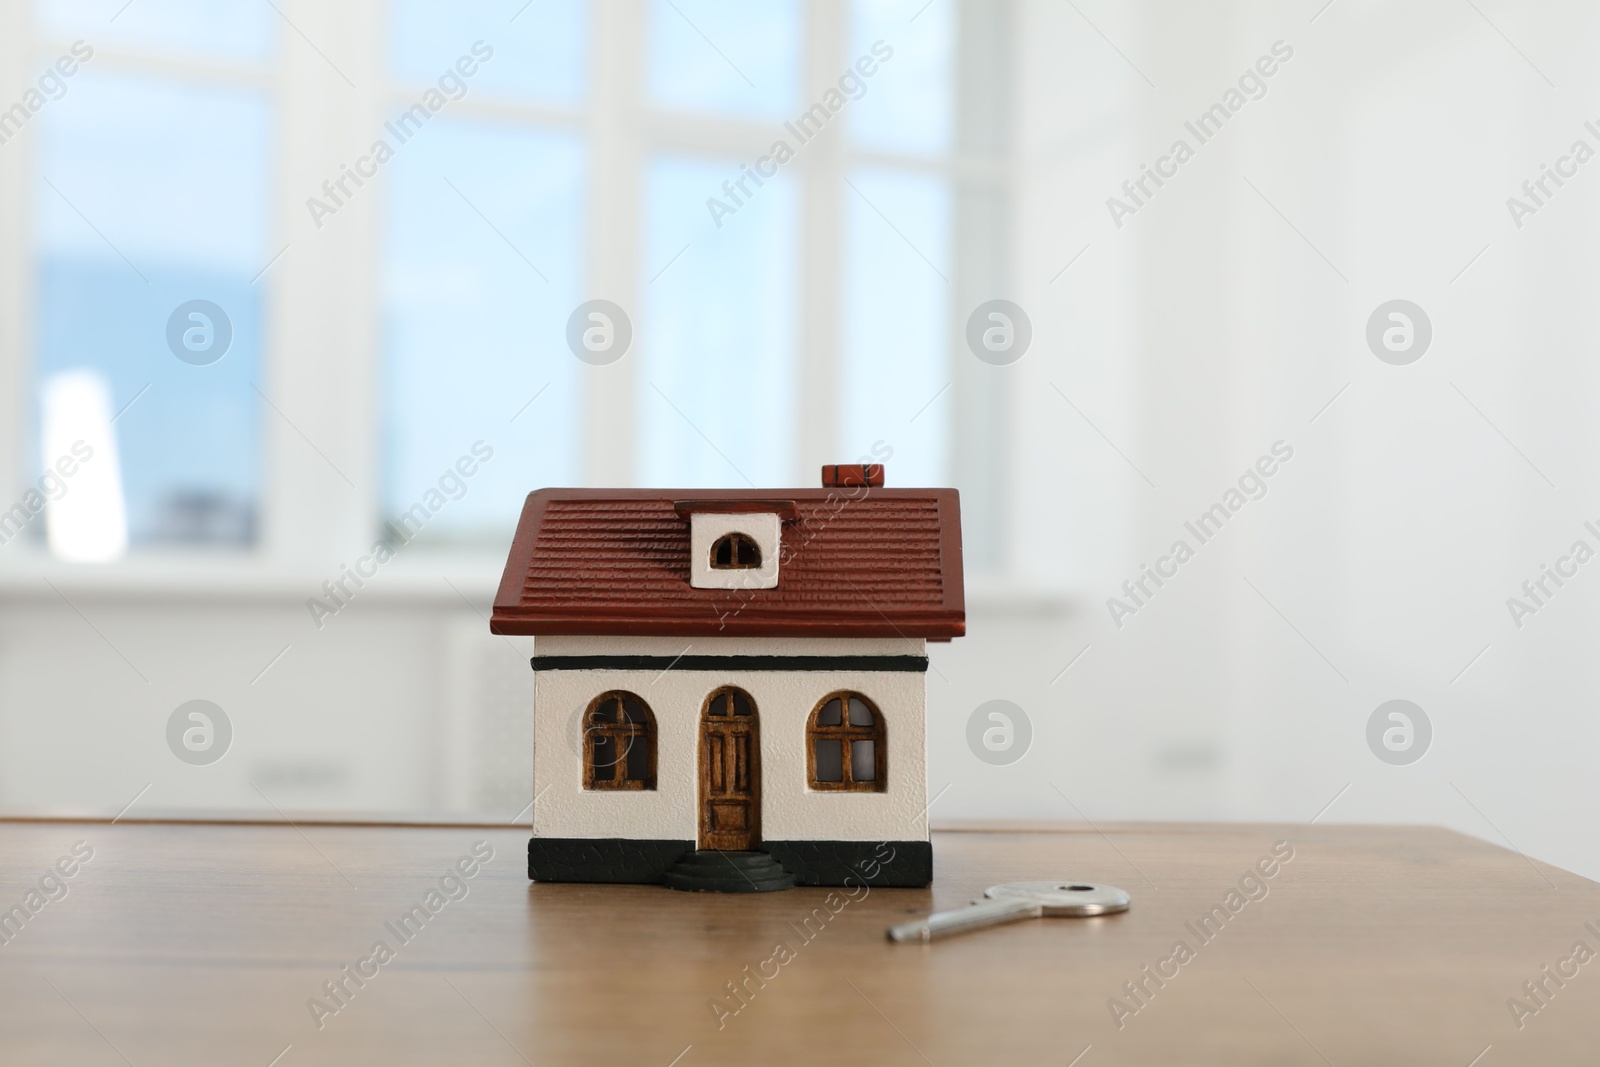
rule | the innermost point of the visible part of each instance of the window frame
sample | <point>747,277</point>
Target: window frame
<point>320,488</point>
<point>731,692</point>
<point>846,733</point>
<point>618,731</point>
<point>736,543</point>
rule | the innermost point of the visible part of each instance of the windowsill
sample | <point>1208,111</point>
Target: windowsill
<point>421,575</point>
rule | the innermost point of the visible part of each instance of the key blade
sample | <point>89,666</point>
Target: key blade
<point>959,920</point>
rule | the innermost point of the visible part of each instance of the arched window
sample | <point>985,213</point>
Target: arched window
<point>845,749</point>
<point>619,743</point>
<point>735,552</point>
<point>729,702</point>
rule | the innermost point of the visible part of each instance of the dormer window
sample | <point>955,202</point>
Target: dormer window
<point>735,552</point>
<point>735,544</point>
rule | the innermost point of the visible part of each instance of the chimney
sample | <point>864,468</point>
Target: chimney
<point>852,475</point>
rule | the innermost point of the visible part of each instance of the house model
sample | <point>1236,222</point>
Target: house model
<point>730,685</point>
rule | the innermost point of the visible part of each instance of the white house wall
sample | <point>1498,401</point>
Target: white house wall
<point>784,701</point>
<point>730,646</point>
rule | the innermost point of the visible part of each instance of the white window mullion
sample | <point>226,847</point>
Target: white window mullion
<point>821,251</point>
<point>616,163</point>
<point>980,420</point>
<point>322,370</point>
<point>17,59</point>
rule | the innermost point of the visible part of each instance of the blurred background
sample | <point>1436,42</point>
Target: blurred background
<point>275,339</point>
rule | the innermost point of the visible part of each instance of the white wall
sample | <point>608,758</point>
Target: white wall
<point>1207,327</point>
<point>401,704</point>
<point>783,700</point>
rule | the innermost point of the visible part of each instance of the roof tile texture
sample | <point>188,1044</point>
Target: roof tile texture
<point>855,562</point>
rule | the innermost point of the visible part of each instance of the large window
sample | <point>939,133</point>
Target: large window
<point>713,57</point>
<point>152,200</point>
<point>717,366</point>
<point>484,223</point>
<point>898,262</point>
<point>284,341</point>
<point>460,364</point>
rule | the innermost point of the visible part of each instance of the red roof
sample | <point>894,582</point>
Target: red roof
<point>863,562</point>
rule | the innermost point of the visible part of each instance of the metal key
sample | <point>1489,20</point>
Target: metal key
<point>1013,901</point>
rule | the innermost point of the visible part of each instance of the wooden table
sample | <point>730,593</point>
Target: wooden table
<point>203,944</point>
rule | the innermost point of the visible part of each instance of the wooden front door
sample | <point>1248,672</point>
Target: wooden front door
<point>730,772</point>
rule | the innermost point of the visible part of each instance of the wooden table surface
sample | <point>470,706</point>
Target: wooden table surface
<point>205,944</point>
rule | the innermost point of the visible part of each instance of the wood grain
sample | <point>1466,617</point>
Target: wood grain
<point>191,944</point>
<point>730,772</point>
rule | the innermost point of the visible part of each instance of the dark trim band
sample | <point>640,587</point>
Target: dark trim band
<point>906,664</point>
<point>903,864</point>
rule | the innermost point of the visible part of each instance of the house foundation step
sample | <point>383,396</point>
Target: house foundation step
<point>710,870</point>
